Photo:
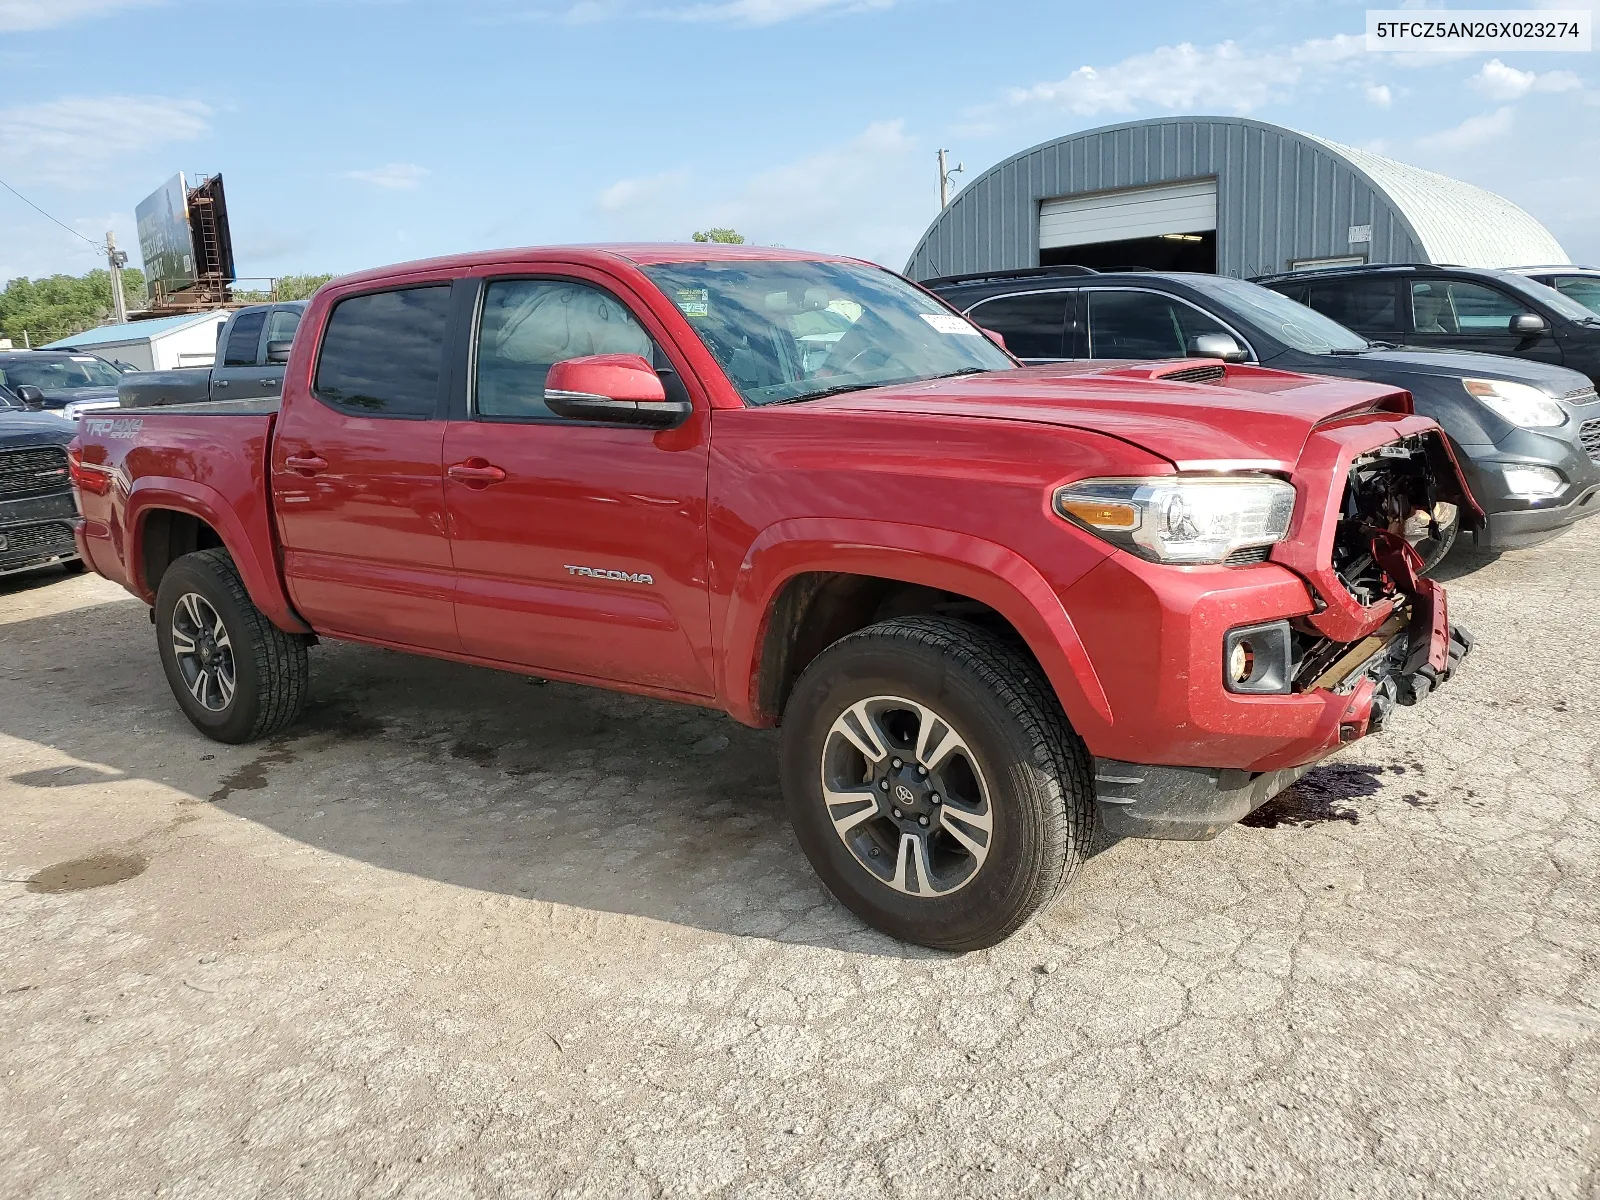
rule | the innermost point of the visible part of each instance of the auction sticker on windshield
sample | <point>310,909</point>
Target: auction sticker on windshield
<point>946,323</point>
<point>694,302</point>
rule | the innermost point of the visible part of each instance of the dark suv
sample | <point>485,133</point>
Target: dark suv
<point>1455,308</point>
<point>1527,433</point>
<point>1575,283</point>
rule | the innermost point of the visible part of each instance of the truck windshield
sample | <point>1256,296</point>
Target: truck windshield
<point>63,374</point>
<point>787,331</point>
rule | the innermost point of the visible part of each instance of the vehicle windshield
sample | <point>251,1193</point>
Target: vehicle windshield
<point>795,330</point>
<point>1293,324</point>
<point>64,374</point>
<point>1585,289</point>
<point>1560,301</point>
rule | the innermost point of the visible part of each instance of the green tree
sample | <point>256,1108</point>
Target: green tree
<point>728,236</point>
<point>42,310</point>
<point>298,287</point>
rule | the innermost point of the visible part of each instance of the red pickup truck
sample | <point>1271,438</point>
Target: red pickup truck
<point>991,606</point>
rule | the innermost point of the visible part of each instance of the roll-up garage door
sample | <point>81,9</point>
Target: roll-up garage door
<point>1187,207</point>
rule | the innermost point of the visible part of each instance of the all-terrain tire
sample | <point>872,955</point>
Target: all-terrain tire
<point>270,667</point>
<point>1039,776</point>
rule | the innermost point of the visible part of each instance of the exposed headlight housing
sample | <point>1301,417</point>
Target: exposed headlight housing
<point>1520,403</point>
<point>1182,518</point>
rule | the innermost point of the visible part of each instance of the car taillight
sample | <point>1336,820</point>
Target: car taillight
<point>96,482</point>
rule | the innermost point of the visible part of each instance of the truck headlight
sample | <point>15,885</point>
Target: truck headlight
<point>1182,518</point>
<point>1519,403</point>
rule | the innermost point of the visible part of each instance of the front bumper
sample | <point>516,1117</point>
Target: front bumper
<point>1514,522</point>
<point>36,532</point>
<point>1196,803</point>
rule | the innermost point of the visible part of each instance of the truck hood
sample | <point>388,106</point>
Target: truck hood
<point>19,428</point>
<point>1252,416</point>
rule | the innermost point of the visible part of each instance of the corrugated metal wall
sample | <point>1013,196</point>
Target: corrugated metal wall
<point>1280,196</point>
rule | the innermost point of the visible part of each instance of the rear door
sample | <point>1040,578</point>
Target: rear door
<point>357,478</point>
<point>1462,314</point>
<point>1034,324</point>
<point>236,373</point>
<point>579,548</point>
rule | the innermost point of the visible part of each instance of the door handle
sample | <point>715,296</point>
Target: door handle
<point>476,472</point>
<point>306,464</point>
<point>219,383</point>
<point>268,382</point>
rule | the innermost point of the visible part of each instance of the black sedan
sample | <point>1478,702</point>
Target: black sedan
<point>1527,433</point>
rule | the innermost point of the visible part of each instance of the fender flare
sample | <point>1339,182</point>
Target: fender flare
<point>915,554</point>
<point>260,574</point>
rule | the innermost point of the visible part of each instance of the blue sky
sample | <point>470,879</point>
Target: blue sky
<point>358,132</point>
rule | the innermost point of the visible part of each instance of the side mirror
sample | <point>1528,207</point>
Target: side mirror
<point>278,352</point>
<point>1529,324</point>
<point>996,338</point>
<point>617,389</point>
<point>32,398</point>
<point>1216,345</point>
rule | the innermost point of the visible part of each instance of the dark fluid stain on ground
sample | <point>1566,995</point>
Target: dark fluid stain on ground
<point>337,716</point>
<point>476,752</point>
<point>253,775</point>
<point>1319,796</point>
<point>80,874</point>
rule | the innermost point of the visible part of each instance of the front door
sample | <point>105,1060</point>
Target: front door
<point>578,548</point>
<point>357,475</point>
<point>1458,315</point>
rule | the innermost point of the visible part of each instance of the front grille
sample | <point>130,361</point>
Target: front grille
<point>36,471</point>
<point>1589,431</point>
<point>21,542</point>
<point>1210,373</point>
<point>1249,556</point>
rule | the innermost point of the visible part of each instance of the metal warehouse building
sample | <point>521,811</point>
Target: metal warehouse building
<point>1223,194</point>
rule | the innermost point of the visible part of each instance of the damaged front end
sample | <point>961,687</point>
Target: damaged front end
<point>1383,636</point>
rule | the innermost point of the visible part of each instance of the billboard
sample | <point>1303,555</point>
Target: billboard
<point>165,239</point>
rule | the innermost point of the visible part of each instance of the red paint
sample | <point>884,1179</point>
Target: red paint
<point>651,562</point>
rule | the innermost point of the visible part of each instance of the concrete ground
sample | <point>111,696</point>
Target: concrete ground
<point>462,934</point>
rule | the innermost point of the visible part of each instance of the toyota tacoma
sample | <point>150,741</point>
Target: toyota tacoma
<point>992,607</point>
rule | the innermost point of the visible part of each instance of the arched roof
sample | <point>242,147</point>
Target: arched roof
<point>1282,196</point>
<point>1456,222</point>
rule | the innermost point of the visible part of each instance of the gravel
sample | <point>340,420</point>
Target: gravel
<point>453,935</point>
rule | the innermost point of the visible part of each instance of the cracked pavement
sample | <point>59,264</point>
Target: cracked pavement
<point>460,934</point>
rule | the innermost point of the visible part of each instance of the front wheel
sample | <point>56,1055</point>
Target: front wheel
<point>235,674</point>
<point>1434,538</point>
<point>934,783</point>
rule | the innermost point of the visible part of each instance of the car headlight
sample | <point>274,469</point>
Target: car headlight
<point>1182,518</point>
<point>1518,403</point>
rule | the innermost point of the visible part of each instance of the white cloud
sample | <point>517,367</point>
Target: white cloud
<point>76,141</point>
<point>1191,77</point>
<point>19,15</point>
<point>1501,82</point>
<point>632,194</point>
<point>1474,131</point>
<point>394,177</point>
<point>1379,94</point>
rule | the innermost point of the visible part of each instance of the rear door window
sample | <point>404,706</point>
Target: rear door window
<point>244,339</point>
<point>1454,306</point>
<point>1369,306</point>
<point>383,353</point>
<point>1034,326</point>
<point>1144,325</point>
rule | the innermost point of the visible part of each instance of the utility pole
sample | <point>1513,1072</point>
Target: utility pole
<point>117,260</point>
<point>945,172</point>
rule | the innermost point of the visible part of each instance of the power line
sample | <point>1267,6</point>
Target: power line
<point>47,216</point>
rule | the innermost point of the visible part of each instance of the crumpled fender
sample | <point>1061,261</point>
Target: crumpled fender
<point>253,550</point>
<point>956,562</point>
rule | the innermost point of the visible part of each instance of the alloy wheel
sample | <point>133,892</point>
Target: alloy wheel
<point>906,796</point>
<point>203,651</point>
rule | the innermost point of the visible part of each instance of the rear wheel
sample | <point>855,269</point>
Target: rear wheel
<point>235,674</point>
<point>934,782</point>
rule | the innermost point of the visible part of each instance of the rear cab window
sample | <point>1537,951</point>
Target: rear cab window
<point>382,353</point>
